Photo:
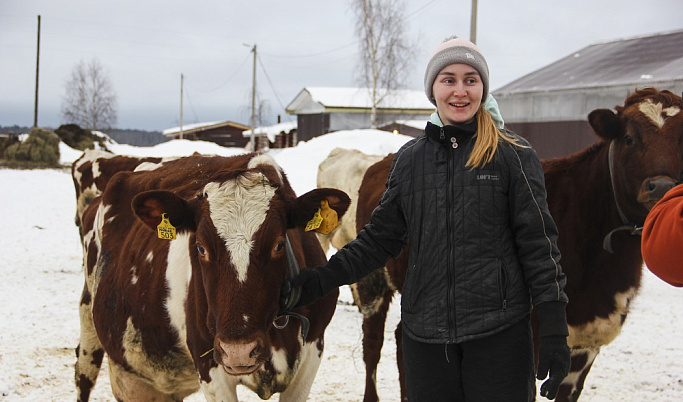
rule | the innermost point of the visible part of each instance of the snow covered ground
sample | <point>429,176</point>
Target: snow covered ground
<point>40,267</point>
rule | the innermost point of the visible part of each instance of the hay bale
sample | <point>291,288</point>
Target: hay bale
<point>41,147</point>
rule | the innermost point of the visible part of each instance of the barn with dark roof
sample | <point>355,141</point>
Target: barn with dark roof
<point>550,106</point>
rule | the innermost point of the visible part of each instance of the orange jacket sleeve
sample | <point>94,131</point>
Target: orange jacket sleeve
<point>662,241</point>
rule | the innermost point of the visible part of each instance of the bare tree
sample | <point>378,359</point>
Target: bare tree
<point>386,54</point>
<point>90,100</point>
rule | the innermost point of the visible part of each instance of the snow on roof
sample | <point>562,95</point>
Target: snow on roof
<point>272,131</point>
<point>200,126</point>
<point>359,98</point>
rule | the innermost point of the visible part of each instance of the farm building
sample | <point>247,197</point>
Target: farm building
<point>550,106</point>
<point>225,133</point>
<point>321,110</point>
<point>413,128</point>
<point>280,135</point>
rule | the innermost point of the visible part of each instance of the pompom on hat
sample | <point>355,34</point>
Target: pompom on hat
<point>456,50</point>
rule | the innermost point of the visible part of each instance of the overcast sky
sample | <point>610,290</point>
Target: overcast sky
<point>146,45</point>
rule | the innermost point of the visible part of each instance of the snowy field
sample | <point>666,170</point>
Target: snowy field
<point>41,283</point>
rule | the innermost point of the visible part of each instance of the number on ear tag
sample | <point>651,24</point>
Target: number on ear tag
<point>315,222</point>
<point>165,230</point>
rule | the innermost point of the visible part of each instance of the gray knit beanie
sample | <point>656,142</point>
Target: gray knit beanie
<point>456,50</point>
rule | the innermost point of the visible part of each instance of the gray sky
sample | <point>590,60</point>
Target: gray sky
<point>145,46</point>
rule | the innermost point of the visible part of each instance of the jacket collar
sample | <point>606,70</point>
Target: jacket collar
<point>449,135</point>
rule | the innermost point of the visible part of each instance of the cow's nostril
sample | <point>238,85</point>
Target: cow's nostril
<point>659,187</point>
<point>255,351</point>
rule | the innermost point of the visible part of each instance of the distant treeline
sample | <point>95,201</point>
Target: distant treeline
<point>139,138</point>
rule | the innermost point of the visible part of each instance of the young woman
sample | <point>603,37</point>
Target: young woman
<point>470,200</point>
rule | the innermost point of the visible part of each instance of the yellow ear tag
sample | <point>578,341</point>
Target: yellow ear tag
<point>315,222</point>
<point>325,219</point>
<point>165,230</point>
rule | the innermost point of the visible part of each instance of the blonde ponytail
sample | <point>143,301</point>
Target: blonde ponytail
<point>487,138</point>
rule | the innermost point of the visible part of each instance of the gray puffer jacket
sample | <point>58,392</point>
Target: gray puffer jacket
<point>483,245</point>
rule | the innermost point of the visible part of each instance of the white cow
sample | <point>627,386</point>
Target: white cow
<point>343,169</point>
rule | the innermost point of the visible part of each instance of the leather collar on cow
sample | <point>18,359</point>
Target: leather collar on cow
<point>628,225</point>
<point>289,297</point>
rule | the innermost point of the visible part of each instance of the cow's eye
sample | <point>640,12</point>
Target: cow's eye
<point>280,246</point>
<point>201,250</point>
<point>629,140</point>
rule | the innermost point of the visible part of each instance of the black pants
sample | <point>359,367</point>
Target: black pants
<point>499,367</point>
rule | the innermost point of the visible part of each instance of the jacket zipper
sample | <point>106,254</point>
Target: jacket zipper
<point>449,237</point>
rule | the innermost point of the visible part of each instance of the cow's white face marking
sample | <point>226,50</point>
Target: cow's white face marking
<point>601,331</point>
<point>178,274</point>
<point>656,113</point>
<point>238,209</point>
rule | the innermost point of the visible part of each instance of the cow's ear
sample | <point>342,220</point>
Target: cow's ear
<point>149,206</point>
<point>605,123</point>
<point>305,206</point>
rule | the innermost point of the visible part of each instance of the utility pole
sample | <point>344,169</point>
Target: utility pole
<point>181,106</point>
<point>253,102</point>
<point>35,105</point>
<point>473,23</point>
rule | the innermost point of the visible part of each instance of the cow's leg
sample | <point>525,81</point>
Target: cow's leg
<point>222,387</point>
<point>301,384</point>
<point>375,297</point>
<point>399,361</point>
<point>130,387</point>
<point>571,387</point>
<point>89,353</point>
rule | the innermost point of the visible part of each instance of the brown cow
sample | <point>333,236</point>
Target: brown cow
<point>203,310</point>
<point>92,171</point>
<point>599,198</point>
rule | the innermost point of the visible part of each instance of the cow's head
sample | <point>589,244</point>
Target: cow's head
<point>646,148</point>
<point>237,225</point>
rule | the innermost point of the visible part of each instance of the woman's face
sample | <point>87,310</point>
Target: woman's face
<point>457,90</point>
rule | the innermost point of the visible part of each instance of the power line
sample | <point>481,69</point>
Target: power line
<point>224,83</point>
<point>187,94</point>
<point>312,54</point>
<point>270,83</point>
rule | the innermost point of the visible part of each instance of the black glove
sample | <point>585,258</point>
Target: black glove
<point>319,281</point>
<point>311,290</point>
<point>553,352</point>
<point>553,358</point>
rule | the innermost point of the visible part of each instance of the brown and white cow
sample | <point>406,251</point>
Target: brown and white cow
<point>343,169</point>
<point>92,170</point>
<point>599,198</point>
<point>202,310</point>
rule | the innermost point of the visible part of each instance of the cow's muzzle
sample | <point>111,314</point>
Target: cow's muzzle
<point>653,189</point>
<point>239,358</point>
